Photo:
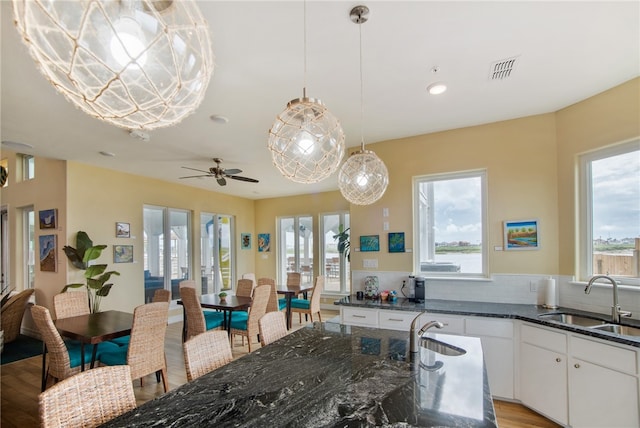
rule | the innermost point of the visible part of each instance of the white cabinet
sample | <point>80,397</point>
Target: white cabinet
<point>603,385</point>
<point>358,316</point>
<point>396,320</point>
<point>543,381</point>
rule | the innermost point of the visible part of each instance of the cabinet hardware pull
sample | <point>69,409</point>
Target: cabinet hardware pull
<point>394,319</point>
<point>358,316</point>
<point>558,359</point>
<point>576,365</point>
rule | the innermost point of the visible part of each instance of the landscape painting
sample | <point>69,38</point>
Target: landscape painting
<point>48,262</point>
<point>48,218</point>
<point>264,242</point>
<point>521,235</point>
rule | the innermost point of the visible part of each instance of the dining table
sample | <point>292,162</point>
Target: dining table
<point>92,329</point>
<point>227,305</point>
<point>291,291</point>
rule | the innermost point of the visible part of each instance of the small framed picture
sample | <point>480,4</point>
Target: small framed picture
<point>123,230</point>
<point>370,243</point>
<point>48,256</point>
<point>521,235</point>
<point>245,241</point>
<point>48,218</point>
<point>123,253</point>
<point>396,242</point>
<point>264,242</point>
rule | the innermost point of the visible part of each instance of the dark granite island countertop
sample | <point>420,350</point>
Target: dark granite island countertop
<point>330,375</point>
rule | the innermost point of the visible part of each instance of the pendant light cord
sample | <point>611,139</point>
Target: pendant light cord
<point>361,94</point>
<point>304,38</point>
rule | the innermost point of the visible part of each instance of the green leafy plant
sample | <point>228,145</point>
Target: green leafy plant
<point>222,295</point>
<point>344,245</point>
<point>95,274</point>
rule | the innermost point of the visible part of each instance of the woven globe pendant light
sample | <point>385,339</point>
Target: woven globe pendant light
<point>137,64</point>
<point>306,141</point>
<point>363,178</point>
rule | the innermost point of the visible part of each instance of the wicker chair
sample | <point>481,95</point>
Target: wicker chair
<point>145,353</point>
<point>71,304</point>
<point>312,306</point>
<point>249,327</point>
<point>245,288</point>
<point>65,358</point>
<point>251,276</point>
<point>161,295</point>
<point>293,279</point>
<point>272,326</point>
<point>12,313</point>
<point>274,304</point>
<point>198,321</point>
<point>88,399</point>
<point>187,283</point>
<point>206,352</point>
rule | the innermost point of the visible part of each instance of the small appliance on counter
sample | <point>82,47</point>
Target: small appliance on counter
<point>371,287</point>
<point>413,288</point>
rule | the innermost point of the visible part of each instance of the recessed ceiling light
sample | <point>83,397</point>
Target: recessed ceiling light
<point>436,88</point>
<point>219,118</point>
<point>139,135</point>
<point>108,154</point>
<point>16,146</point>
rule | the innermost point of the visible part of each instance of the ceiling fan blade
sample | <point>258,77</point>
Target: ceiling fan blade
<point>222,181</point>
<point>232,171</point>
<point>247,179</point>
<point>197,176</point>
<point>194,169</point>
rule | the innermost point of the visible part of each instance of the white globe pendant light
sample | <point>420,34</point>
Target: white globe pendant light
<point>137,64</point>
<point>363,178</point>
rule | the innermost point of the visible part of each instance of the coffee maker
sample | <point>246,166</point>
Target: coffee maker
<point>419,284</point>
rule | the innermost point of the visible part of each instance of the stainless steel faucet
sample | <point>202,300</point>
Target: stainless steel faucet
<point>415,334</point>
<point>616,311</point>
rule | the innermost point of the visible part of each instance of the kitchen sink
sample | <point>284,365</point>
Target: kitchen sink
<point>574,319</point>
<point>624,330</point>
<point>441,347</point>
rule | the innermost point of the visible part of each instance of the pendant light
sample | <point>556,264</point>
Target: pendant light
<point>306,141</point>
<point>363,178</point>
<point>137,64</point>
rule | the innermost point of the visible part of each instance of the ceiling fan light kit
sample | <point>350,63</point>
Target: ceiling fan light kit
<point>220,173</point>
<point>137,64</point>
<point>364,177</point>
<point>306,141</point>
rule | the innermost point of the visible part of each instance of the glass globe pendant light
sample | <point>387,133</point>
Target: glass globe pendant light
<point>363,178</point>
<point>306,141</point>
<point>137,64</point>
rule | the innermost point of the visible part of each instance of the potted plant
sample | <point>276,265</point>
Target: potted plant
<point>222,295</point>
<point>344,246</point>
<point>95,274</point>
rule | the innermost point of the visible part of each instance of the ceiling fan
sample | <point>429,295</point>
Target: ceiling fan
<point>220,173</point>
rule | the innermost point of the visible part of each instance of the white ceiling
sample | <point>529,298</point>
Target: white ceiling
<point>566,51</point>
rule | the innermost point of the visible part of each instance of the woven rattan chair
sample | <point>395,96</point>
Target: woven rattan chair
<point>187,283</point>
<point>249,327</point>
<point>312,306</point>
<point>251,276</point>
<point>293,279</point>
<point>198,321</point>
<point>205,352</point>
<point>274,304</point>
<point>12,313</point>
<point>245,288</point>
<point>88,399</point>
<point>145,352</point>
<point>71,304</point>
<point>272,326</point>
<point>64,358</point>
<point>161,295</point>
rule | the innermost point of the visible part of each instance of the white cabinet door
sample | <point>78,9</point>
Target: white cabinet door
<point>358,316</point>
<point>396,320</point>
<point>601,397</point>
<point>543,381</point>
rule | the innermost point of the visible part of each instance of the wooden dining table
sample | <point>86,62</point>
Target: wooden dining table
<point>289,291</point>
<point>213,301</point>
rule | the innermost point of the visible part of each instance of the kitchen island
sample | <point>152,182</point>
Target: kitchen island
<point>330,375</point>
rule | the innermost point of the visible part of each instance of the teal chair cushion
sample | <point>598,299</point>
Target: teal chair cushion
<point>239,316</point>
<point>121,341</point>
<point>239,324</point>
<point>116,357</point>
<point>300,303</point>
<point>282,303</point>
<point>213,319</point>
<point>75,355</point>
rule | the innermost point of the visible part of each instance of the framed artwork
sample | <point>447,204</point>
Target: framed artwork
<point>48,218</point>
<point>245,241</point>
<point>370,243</point>
<point>48,257</point>
<point>123,253</point>
<point>123,230</point>
<point>521,235</point>
<point>264,242</point>
<point>396,242</point>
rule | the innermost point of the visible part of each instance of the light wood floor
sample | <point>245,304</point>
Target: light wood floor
<point>20,386</point>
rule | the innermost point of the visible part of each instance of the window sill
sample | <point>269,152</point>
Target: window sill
<point>625,287</point>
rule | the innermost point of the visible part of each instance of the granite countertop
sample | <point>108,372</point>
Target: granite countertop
<point>330,375</point>
<point>529,313</point>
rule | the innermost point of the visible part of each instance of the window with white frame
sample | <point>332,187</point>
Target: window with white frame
<point>610,213</point>
<point>295,247</point>
<point>450,224</point>
<point>335,265</point>
<point>29,246</point>
<point>217,252</point>
<point>28,167</point>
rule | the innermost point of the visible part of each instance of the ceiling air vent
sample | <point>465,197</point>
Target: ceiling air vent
<point>502,69</point>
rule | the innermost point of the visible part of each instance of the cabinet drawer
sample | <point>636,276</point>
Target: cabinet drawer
<point>489,327</point>
<point>604,355</point>
<point>452,324</point>
<point>396,320</point>
<point>544,338</point>
<point>361,317</point>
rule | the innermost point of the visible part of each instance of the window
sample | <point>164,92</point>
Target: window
<point>336,267</point>
<point>216,252</point>
<point>610,213</point>
<point>450,224</point>
<point>28,167</point>
<point>167,246</point>
<point>29,246</point>
<point>295,247</point>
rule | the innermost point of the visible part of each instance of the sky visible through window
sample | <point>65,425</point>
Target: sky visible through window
<point>457,205</point>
